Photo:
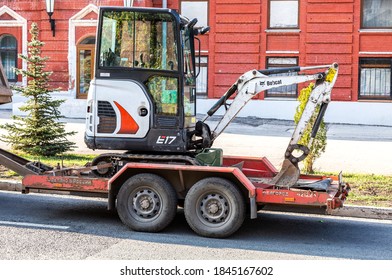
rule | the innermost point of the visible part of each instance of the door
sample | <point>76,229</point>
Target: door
<point>85,66</point>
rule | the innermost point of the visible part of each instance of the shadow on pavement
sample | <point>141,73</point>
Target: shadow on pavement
<point>290,234</point>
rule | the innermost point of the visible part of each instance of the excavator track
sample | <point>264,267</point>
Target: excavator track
<point>120,159</point>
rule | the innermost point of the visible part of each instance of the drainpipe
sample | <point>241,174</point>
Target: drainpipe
<point>164,3</point>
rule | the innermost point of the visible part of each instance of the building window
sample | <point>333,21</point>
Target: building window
<point>201,80</point>
<point>283,14</point>
<point>376,14</point>
<point>375,78</point>
<point>85,66</point>
<point>195,9</point>
<point>281,62</point>
<point>8,53</point>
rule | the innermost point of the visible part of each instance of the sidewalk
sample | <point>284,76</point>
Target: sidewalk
<point>350,148</point>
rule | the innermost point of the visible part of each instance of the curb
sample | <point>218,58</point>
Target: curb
<point>10,185</point>
<point>367,212</point>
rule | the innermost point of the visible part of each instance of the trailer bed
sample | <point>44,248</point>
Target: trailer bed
<point>254,173</point>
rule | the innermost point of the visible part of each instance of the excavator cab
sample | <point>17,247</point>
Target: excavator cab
<point>142,97</point>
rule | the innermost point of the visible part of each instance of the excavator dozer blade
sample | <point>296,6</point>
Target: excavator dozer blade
<point>288,176</point>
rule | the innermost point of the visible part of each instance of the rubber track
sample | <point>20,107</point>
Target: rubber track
<point>166,159</point>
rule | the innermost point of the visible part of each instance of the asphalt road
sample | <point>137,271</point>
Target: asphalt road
<point>37,226</point>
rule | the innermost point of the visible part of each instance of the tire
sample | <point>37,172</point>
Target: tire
<point>214,207</point>
<point>146,202</point>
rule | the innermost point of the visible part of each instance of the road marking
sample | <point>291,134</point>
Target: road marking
<point>6,223</point>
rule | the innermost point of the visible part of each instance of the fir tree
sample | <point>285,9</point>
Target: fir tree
<point>40,132</point>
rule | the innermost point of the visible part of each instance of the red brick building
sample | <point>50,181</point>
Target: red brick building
<point>245,35</point>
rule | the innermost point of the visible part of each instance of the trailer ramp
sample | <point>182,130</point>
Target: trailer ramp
<point>21,165</point>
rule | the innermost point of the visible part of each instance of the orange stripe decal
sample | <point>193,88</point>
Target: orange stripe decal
<point>128,124</point>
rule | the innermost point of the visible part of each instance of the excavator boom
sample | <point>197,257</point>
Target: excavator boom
<point>253,82</point>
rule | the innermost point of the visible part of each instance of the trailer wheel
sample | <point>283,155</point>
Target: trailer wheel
<point>214,207</point>
<point>147,202</point>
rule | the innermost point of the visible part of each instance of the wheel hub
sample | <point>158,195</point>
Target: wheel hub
<point>214,208</point>
<point>146,203</point>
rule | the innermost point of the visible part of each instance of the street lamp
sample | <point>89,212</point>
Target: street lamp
<point>49,10</point>
<point>128,3</point>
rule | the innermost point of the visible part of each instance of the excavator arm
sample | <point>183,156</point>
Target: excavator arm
<point>253,82</point>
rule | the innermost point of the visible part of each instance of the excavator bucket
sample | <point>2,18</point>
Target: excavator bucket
<point>287,176</point>
<point>5,91</point>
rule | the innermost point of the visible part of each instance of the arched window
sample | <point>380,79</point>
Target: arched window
<point>85,65</point>
<point>8,54</point>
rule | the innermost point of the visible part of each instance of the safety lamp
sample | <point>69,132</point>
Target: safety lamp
<point>49,10</point>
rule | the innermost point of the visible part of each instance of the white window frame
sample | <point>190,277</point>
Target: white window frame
<point>14,51</point>
<point>202,78</point>
<point>377,16</point>
<point>282,17</point>
<point>375,78</point>
<point>199,13</point>
<point>17,21</point>
<point>281,92</point>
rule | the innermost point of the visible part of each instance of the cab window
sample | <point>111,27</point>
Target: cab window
<point>164,91</point>
<point>138,40</point>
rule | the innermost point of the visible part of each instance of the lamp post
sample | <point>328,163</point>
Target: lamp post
<point>128,3</point>
<point>49,10</point>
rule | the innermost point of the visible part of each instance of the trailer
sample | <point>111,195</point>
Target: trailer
<point>216,199</point>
